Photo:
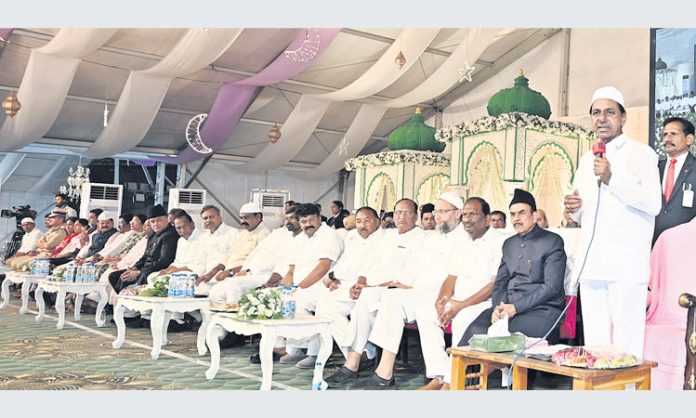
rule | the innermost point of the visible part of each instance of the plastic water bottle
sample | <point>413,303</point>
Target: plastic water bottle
<point>91,272</point>
<point>318,382</point>
<point>79,273</point>
<point>190,286</point>
<point>69,275</point>
<point>172,286</point>
<point>288,302</point>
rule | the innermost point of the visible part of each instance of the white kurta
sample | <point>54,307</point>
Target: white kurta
<point>29,241</point>
<point>474,263</point>
<point>619,256</point>
<point>261,263</point>
<point>245,242</point>
<point>114,243</point>
<point>189,253</point>
<point>215,248</point>
<point>399,306</point>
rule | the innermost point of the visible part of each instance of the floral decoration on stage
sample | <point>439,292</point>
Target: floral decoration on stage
<point>512,120</point>
<point>396,157</point>
<point>260,304</point>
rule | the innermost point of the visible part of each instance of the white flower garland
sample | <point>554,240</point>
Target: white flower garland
<point>512,120</point>
<point>396,157</point>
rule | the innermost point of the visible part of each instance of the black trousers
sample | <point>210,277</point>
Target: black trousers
<point>115,280</point>
<point>533,323</point>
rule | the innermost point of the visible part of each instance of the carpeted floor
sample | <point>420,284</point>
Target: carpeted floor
<point>39,356</point>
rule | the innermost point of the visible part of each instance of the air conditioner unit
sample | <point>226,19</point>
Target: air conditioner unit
<point>107,197</point>
<point>272,203</point>
<point>190,200</point>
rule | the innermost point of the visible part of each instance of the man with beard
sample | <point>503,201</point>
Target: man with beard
<point>317,251</point>
<point>398,305</point>
<point>360,244</point>
<point>464,294</point>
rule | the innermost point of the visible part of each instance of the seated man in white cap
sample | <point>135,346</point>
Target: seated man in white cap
<point>616,196</point>
<point>114,244</point>
<point>464,294</point>
<point>45,244</point>
<point>97,241</point>
<point>216,245</point>
<point>393,264</point>
<point>29,239</point>
<point>265,265</point>
<point>398,306</point>
<point>248,238</point>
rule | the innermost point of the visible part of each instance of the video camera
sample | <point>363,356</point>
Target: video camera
<point>18,212</point>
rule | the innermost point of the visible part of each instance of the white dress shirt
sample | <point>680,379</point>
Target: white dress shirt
<point>393,259</point>
<point>29,240</point>
<point>189,253</point>
<point>218,245</point>
<point>620,250</point>
<point>476,262</point>
<point>245,242</point>
<point>677,169</point>
<point>269,252</point>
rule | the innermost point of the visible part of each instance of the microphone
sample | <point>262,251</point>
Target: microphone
<point>599,149</point>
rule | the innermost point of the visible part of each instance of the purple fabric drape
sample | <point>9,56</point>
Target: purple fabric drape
<point>233,98</point>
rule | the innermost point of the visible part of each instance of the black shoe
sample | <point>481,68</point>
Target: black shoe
<point>373,382</point>
<point>177,327</point>
<point>136,322</point>
<point>232,340</point>
<point>342,377</point>
<point>367,364</point>
<point>256,358</point>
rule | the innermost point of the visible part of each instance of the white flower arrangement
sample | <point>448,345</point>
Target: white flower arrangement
<point>396,157</point>
<point>260,304</point>
<point>512,120</point>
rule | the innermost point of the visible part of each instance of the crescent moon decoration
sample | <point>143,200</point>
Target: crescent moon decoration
<point>193,134</point>
<point>309,48</point>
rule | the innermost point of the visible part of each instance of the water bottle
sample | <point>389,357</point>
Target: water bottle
<point>91,271</point>
<point>287,301</point>
<point>79,273</point>
<point>171,292</point>
<point>318,382</point>
<point>190,286</point>
<point>33,267</point>
<point>69,275</point>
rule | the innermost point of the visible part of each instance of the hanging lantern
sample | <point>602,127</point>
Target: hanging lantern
<point>11,105</point>
<point>274,133</point>
<point>400,60</point>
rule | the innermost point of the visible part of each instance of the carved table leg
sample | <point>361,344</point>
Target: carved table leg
<point>120,325</point>
<point>25,296</point>
<point>100,317</point>
<point>211,339</point>
<point>79,297</point>
<point>200,342</point>
<point>42,304</point>
<point>5,291</point>
<point>156,325</point>
<point>60,308</point>
<point>268,338</point>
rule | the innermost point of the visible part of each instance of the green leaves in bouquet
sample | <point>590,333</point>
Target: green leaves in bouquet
<point>260,304</point>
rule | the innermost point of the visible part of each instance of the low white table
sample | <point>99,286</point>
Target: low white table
<point>62,289</point>
<point>162,309</point>
<point>298,328</point>
<point>26,279</point>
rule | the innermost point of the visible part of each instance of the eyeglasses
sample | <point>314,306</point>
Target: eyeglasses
<point>404,213</point>
<point>442,211</point>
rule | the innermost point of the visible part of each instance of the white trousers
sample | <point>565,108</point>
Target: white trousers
<point>232,288</point>
<point>362,318</point>
<point>432,336</point>
<point>613,315</point>
<point>396,308</point>
<point>306,304</point>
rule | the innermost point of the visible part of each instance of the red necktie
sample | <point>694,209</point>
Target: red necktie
<point>669,182</point>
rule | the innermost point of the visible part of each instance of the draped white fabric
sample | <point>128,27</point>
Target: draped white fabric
<point>144,90</point>
<point>46,82</point>
<point>447,75</point>
<point>412,42</point>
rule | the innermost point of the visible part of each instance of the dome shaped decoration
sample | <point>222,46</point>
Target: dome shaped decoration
<point>519,98</point>
<point>660,65</point>
<point>415,135</point>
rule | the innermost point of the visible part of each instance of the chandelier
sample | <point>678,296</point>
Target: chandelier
<point>75,180</point>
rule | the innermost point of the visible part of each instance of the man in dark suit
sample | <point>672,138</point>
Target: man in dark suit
<point>678,176</point>
<point>528,288</point>
<point>159,253</point>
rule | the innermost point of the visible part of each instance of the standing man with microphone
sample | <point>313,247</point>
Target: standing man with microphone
<point>616,197</point>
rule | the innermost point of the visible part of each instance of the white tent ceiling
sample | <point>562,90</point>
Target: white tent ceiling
<point>102,74</point>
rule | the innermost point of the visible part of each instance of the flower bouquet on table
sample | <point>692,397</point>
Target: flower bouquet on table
<point>260,304</point>
<point>593,358</point>
<point>158,289</point>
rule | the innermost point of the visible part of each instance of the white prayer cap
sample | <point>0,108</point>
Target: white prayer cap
<point>27,220</point>
<point>608,92</point>
<point>452,198</point>
<point>250,207</point>
<point>105,216</point>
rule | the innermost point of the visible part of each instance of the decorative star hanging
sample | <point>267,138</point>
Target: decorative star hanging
<point>343,147</point>
<point>465,73</point>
